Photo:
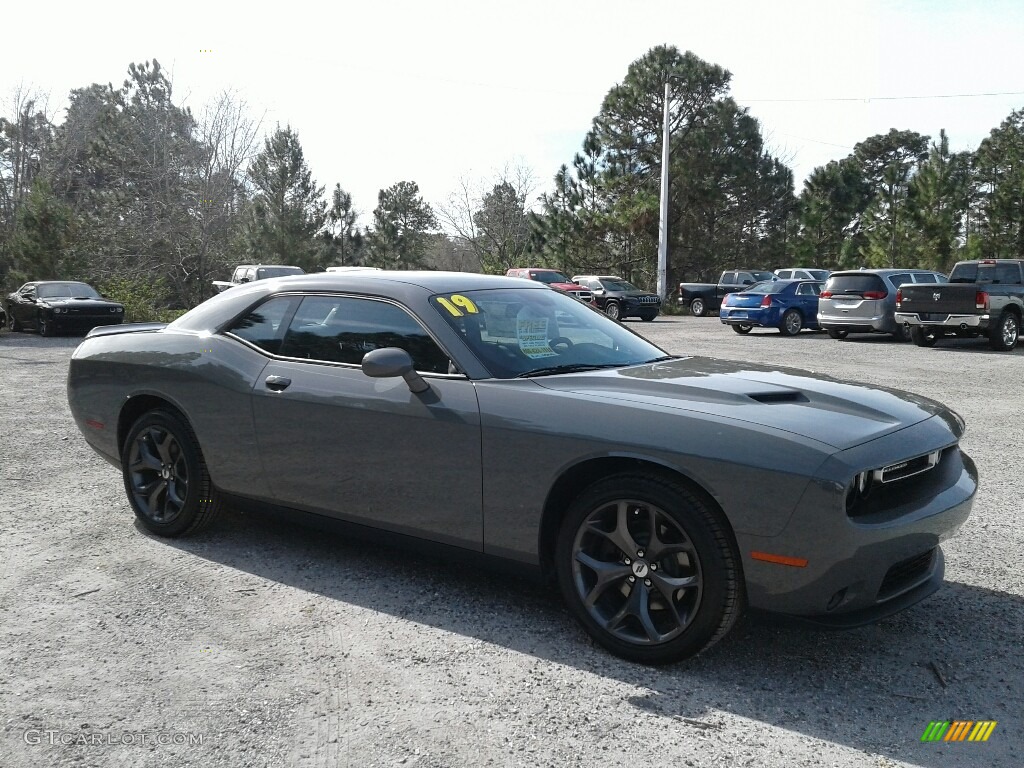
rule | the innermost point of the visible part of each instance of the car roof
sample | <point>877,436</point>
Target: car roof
<point>402,285</point>
<point>885,271</point>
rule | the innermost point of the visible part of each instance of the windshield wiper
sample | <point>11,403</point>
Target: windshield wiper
<point>569,368</point>
<point>663,359</point>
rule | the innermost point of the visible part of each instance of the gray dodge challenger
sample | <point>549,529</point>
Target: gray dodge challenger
<point>662,494</point>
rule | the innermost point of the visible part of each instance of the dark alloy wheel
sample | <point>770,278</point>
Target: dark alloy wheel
<point>742,329</point>
<point>165,476</point>
<point>12,322</point>
<point>697,308</point>
<point>923,338</point>
<point>612,310</point>
<point>1003,338</point>
<point>834,334</point>
<point>649,570</point>
<point>44,326</point>
<point>792,322</point>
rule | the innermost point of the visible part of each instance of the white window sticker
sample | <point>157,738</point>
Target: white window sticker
<point>532,334</point>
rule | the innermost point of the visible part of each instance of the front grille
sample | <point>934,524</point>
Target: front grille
<point>650,300</point>
<point>582,295</point>
<point>906,574</point>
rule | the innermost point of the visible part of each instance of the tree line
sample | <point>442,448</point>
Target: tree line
<point>140,196</point>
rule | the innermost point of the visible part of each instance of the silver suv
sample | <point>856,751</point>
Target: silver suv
<point>864,300</point>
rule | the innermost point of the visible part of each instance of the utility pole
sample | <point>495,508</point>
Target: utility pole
<point>663,222</point>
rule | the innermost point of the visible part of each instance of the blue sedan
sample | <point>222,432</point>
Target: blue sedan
<point>789,305</point>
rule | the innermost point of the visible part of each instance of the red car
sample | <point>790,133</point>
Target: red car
<point>555,279</point>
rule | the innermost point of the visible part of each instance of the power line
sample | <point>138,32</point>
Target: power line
<point>886,98</point>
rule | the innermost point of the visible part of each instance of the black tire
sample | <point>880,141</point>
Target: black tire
<point>900,334</point>
<point>923,338</point>
<point>1004,336</point>
<point>834,334</point>
<point>165,476</point>
<point>742,329</point>
<point>648,317</point>
<point>12,322</point>
<point>687,586</point>
<point>792,323</point>
<point>698,308</point>
<point>612,310</point>
<point>44,326</point>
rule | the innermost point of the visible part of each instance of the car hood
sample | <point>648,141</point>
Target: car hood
<point>835,413</point>
<point>569,287</point>
<point>82,303</point>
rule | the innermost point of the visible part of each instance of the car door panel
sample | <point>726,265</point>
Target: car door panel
<point>370,451</point>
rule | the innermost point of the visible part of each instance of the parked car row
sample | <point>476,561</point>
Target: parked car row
<point>614,296</point>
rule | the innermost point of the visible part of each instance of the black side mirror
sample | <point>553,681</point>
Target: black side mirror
<point>389,362</point>
<point>244,280</point>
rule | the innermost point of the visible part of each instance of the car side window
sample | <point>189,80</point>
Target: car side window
<point>900,279</point>
<point>341,329</point>
<point>729,278</point>
<point>806,289</point>
<point>1007,272</point>
<point>924,277</point>
<point>265,325</point>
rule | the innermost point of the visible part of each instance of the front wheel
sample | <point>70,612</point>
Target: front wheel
<point>1004,336</point>
<point>612,310</point>
<point>698,308</point>
<point>923,338</point>
<point>648,568</point>
<point>834,334</point>
<point>44,326</point>
<point>742,329</point>
<point>165,476</point>
<point>12,322</point>
<point>648,317</point>
<point>792,322</point>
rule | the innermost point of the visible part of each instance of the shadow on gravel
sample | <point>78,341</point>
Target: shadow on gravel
<point>956,656</point>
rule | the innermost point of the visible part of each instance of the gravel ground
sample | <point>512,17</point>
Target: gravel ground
<point>261,644</point>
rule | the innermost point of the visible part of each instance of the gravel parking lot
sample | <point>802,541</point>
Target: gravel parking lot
<point>261,644</point>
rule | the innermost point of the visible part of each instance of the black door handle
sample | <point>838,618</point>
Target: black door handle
<point>277,383</point>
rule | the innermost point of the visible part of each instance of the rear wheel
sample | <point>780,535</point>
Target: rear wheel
<point>834,334</point>
<point>612,310</point>
<point>698,308</point>
<point>165,476</point>
<point>792,322</point>
<point>900,334</point>
<point>648,568</point>
<point>742,329</point>
<point>923,338</point>
<point>1003,337</point>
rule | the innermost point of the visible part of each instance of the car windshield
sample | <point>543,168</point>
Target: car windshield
<point>529,332</point>
<point>66,291</point>
<point>763,275</point>
<point>818,274</point>
<point>549,277</point>
<point>264,272</point>
<point>618,285</point>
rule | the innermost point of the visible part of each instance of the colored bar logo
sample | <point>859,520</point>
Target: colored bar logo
<point>958,730</point>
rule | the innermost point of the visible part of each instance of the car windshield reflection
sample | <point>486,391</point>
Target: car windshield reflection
<point>522,332</point>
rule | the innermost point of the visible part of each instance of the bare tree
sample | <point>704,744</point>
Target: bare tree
<point>489,217</point>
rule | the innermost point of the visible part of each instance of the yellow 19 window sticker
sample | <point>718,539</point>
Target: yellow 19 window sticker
<point>456,303</point>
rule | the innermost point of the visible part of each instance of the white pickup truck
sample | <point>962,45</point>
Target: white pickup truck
<point>246,273</point>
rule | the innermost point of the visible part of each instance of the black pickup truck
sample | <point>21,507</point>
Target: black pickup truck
<point>982,298</point>
<point>703,298</point>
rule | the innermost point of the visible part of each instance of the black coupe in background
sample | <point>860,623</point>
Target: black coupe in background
<point>53,306</point>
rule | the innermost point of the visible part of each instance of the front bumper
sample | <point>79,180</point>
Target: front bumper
<point>944,321</point>
<point>862,568</point>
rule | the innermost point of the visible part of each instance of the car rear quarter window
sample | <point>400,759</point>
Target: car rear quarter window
<point>901,278</point>
<point>924,277</point>
<point>1007,273</point>
<point>264,326</point>
<point>342,329</point>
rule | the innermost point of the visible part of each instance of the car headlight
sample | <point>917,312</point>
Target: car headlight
<point>117,309</point>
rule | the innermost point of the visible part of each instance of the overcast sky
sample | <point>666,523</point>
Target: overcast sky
<point>433,91</point>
